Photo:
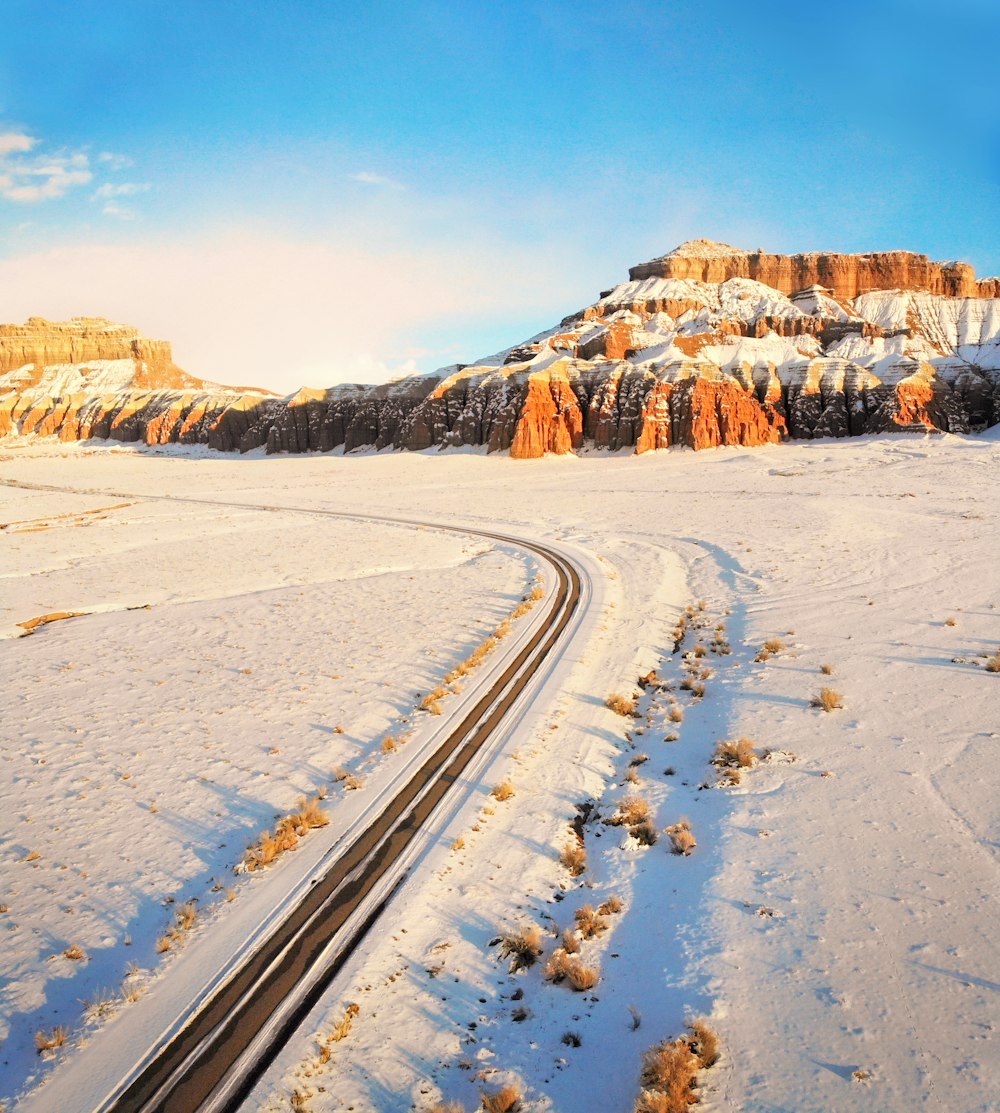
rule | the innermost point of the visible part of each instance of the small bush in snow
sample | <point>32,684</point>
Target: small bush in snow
<point>574,857</point>
<point>522,946</point>
<point>562,967</point>
<point>828,699</point>
<point>505,1100</point>
<point>681,838</point>
<point>993,663</point>
<point>670,1070</point>
<point>621,705</point>
<point>826,669</point>
<point>49,1041</point>
<point>502,791</point>
<point>738,754</point>
<point>588,922</point>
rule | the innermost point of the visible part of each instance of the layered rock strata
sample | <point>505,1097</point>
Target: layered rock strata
<point>695,352</point>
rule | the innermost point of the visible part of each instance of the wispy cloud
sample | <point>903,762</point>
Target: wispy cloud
<point>26,178</point>
<point>115,162</point>
<point>120,189</point>
<point>368,177</point>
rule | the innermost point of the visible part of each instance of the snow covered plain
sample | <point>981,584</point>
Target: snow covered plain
<point>838,918</point>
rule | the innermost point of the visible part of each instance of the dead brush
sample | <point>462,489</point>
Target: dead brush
<point>829,699</point>
<point>563,967</point>
<point>574,857</point>
<point>390,744</point>
<point>505,1100</point>
<point>771,648</point>
<point>645,833</point>
<point>993,663</point>
<point>611,907</point>
<point>670,1070</point>
<point>343,1026</point>
<point>631,811</point>
<point>621,704</point>
<point>681,837</point>
<point>589,922</point>
<point>503,791</point>
<point>350,781</point>
<point>734,754</point>
<point>523,946</point>
<point>308,815</point>
<point>49,1041</point>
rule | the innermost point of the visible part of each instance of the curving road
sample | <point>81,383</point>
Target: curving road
<point>229,1042</point>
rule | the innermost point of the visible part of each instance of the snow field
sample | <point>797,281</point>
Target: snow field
<point>836,920</point>
<point>146,749</point>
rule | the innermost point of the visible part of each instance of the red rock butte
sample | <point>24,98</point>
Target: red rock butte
<point>705,346</point>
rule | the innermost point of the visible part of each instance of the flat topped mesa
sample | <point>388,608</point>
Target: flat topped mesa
<point>846,276</point>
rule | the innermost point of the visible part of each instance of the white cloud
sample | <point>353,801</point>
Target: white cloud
<point>112,208</point>
<point>368,177</point>
<point>115,162</point>
<point>13,141</point>
<point>121,189</point>
<point>39,177</point>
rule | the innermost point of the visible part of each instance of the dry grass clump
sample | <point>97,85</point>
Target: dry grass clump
<point>574,857</point>
<point>826,669</point>
<point>390,744</point>
<point>563,967</point>
<point>503,791</point>
<point>505,1100</point>
<point>611,907</point>
<point>735,754</point>
<point>631,811</point>
<point>289,830</point>
<point>49,1041</point>
<point>343,1026</point>
<point>771,648</point>
<point>350,781</point>
<point>950,620</point>
<point>829,699</point>
<point>681,837</point>
<point>75,953</point>
<point>993,663</point>
<point>185,919</point>
<point>522,946</point>
<point>589,922</point>
<point>676,714</point>
<point>670,1070</point>
<point>621,705</point>
<point>645,834</point>
<point>432,701</point>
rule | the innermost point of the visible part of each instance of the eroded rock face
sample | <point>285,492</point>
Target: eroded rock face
<point>700,348</point>
<point>845,276</point>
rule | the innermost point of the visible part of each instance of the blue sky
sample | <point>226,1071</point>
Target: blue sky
<point>298,192</point>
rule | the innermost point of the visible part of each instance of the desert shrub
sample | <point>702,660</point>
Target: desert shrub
<point>343,1026</point>
<point>502,791</point>
<point>505,1100</point>
<point>950,620</point>
<point>644,833</point>
<point>589,922</point>
<point>670,1069</point>
<point>48,1041</point>
<point>563,967</point>
<point>611,907</point>
<point>621,705</point>
<point>574,857</point>
<point>630,811</point>
<point>828,699</point>
<point>737,754</point>
<point>676,714</point>
<point>570,943</point>
<point>75,953</point>
<point>826,669</point>
<point>522,946</point>
<point>681,837</point>
<point>993,663</point>
<point>389,744</point>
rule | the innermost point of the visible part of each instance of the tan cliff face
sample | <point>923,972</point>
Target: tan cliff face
<point>704,347</point>
<point>846,276</point>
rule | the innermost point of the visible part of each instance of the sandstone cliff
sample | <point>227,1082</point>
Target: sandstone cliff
<point>703,347</point>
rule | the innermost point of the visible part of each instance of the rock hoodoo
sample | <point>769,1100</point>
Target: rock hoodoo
<point>709,345</point>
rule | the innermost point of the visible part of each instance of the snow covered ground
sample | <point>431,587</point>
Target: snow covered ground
<point>838,919</point>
